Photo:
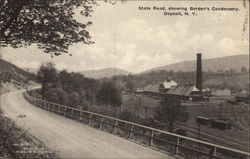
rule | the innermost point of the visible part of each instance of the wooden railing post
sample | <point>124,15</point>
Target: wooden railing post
<point>80,118</point>
<point>101,123</point>
<point>151,138</point>
<point>65,111</point>
<point>71,114</point>
<point>114,130</point>
<point>90,119</point>
<point>177,146</point>
<point>212,152</point>
<point>53,108</point>
<point>131,131</point>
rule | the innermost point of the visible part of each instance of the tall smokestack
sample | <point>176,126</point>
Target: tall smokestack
<point>199,72</point>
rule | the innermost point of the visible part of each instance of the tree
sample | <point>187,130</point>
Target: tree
<point>170,111</point>
<point>65,79</point>
<point>231,70</point>
<point>56,95</point>
<point>243,69</point>
<point>130,86</point>
<point>73,99</point>
<point>109,94</point>
<point>49,24</point>
<point>47,76</point>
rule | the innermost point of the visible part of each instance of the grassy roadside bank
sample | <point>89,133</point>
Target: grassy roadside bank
<point>15,142</point>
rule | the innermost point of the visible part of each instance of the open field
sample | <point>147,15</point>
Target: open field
<point>212,109</point>
<point>139,104</point>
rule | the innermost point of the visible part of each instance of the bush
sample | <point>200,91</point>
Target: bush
<point>109,94</point>
<point>56,95</point>
<point>73,99</point>
<point>128,116</point>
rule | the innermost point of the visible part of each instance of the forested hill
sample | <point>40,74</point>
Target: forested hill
<point>223,63</point>
<point>102,73</point>
<point>10,72</point>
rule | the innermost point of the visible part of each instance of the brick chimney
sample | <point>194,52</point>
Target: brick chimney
<point>199,72</point>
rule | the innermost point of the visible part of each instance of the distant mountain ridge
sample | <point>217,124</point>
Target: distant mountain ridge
<point>213,64</point>
<point>104,73</point>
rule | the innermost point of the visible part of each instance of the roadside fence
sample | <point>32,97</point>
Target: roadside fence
<point>158,139</point>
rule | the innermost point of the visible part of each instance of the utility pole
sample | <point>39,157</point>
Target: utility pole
<point>221,111</point>
<point>0,53</point>
<point>199,130</point>
<point>27,80</point>
<point>146,111</point>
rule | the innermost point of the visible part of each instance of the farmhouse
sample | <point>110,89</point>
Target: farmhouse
<point>185,92</point>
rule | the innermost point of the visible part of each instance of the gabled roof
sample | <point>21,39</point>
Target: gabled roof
<point>184,90</point>
<point>152,88</point>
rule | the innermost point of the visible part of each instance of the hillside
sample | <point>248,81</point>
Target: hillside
<point>214,64</point>
<point>102,73</point>
<point>10,73</point>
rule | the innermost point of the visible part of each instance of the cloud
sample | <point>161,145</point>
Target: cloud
<point>27,64</point>
<point>136,42</point>
<point>230,46</point>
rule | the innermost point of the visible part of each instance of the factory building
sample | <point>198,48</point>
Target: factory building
<point>189,92</point>
<point>159,89</point>
<point>186,92</point>
<point>151,90</point>
<point>165,86</point>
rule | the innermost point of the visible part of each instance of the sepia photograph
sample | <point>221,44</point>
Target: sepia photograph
<point>124,79</point>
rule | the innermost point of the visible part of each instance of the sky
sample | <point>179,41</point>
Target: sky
<point>137,40</point>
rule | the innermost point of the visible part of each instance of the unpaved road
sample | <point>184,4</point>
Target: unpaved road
<point>69,138</point>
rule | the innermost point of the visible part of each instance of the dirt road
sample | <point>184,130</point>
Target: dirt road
<point>69,138</point>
